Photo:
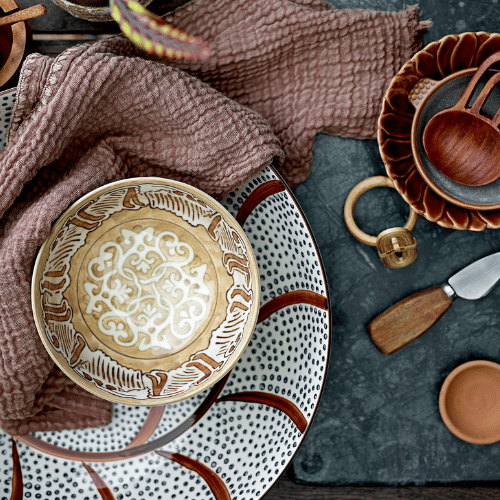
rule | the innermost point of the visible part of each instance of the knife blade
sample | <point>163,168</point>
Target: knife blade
<point>414,315</point>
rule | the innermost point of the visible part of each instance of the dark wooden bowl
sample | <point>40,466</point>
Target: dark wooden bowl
<point>12,45</point>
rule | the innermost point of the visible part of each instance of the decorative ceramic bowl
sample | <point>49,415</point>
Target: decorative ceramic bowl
<point>12,44</point>
<point>232,441</point>
<point>428,194</point>
<point>146,291</point>
<point>469,402</point>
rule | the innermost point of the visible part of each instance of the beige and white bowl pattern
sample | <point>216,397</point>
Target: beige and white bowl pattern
<point>146,292</point>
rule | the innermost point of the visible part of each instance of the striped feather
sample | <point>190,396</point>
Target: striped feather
<point>154,35</point>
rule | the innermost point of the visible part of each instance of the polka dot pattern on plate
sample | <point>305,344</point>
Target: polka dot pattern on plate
<point>234,440</point>
<point>7,100</point>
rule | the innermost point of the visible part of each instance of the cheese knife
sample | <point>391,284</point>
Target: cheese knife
<point>411,317</point>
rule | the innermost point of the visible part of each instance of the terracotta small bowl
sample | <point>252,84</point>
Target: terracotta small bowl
<point>469,402</point>
<point>12,45</point>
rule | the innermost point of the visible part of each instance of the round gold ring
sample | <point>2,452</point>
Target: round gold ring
<point>352,198</point>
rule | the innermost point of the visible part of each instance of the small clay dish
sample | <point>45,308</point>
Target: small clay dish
<point>146,292</point>
<point>429,98</point>
<point>12,45</point>
<point>469,402</point>
<point>91,10</point>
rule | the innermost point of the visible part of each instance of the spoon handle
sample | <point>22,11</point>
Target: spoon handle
<point>483,95</point>
<point>467,93</point>
<point>24,15</point>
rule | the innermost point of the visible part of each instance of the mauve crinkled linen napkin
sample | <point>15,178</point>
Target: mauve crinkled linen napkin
<point>280,71</point>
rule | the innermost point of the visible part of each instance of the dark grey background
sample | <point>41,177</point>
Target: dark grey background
<point>378,420</point>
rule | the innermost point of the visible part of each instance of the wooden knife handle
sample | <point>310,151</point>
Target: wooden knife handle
<point>408,319</point>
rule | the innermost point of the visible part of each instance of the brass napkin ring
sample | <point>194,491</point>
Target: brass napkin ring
<point>396,246</point>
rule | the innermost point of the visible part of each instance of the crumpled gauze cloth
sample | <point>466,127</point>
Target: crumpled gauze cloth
<point>280,71</point>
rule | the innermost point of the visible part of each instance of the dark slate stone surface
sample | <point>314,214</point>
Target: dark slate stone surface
<point>378,420</point>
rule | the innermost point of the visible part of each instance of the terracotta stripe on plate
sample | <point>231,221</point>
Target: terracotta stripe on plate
<point>215,483</point>
<point>148,427</point>
<point>134,451</point>
<point>257,196</point>
<point>17,474</point>
<point>278,402</point>
<point>101,486</point>
<point>292,298</point>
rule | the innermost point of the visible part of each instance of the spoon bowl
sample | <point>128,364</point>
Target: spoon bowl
<point>464,147</point>
<point>463,142</point>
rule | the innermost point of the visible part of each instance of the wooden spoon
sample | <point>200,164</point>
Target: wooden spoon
<point>463,143</point>
<point>24,15</point>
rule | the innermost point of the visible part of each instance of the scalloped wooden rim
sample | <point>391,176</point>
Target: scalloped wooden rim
<point>445,218</point>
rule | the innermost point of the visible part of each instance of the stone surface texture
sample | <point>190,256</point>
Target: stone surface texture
<point>378,421</point>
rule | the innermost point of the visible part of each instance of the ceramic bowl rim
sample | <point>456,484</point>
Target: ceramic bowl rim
<point>217,375</point>
<point>443,400</point>
<point>91,12</point>
<point>414,146</point>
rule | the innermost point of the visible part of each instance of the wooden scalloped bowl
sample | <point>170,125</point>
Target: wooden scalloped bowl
<point>12,45</point>
<point>437,60</point>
